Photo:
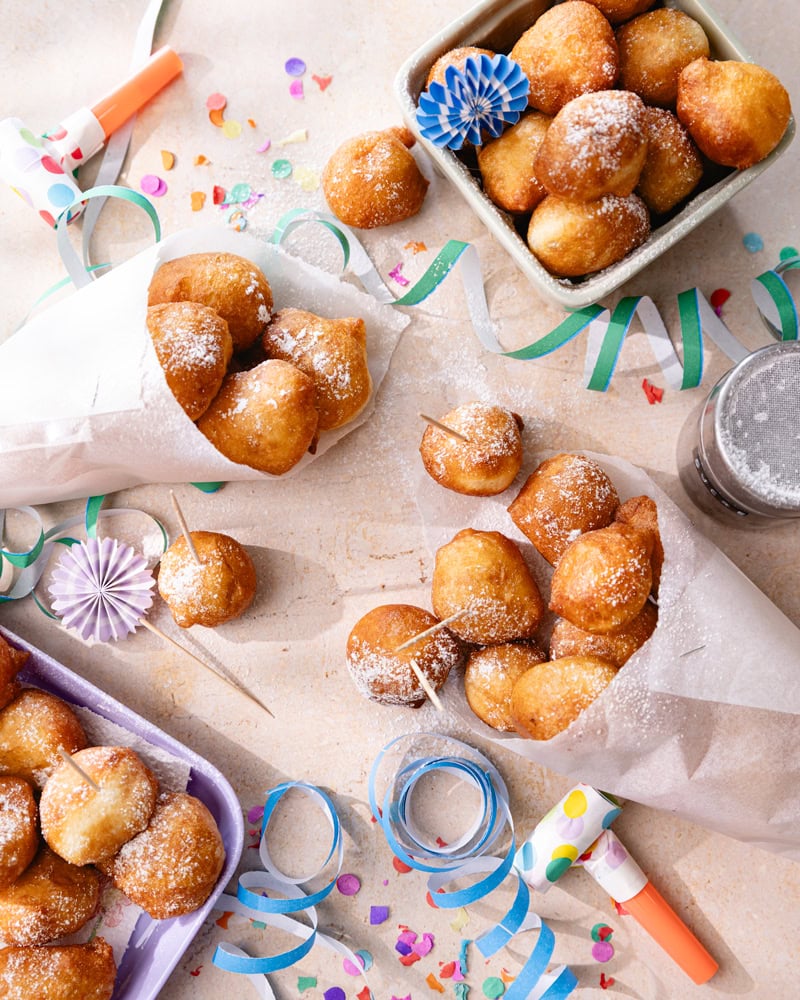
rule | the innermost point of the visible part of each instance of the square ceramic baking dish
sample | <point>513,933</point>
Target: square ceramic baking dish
<point>496,25</point>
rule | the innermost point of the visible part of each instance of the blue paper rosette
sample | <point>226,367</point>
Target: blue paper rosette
<point>489,94</point>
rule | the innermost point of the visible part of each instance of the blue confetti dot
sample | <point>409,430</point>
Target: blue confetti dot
<point>295,66</point>
<point>752,242</point>
<point>61,195</point>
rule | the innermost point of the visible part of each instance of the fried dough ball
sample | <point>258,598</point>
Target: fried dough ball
<point>19,834</point>
<point>596,145</point>
<point>574,238</point>
<point>490,676</point>
<point>59,972</point>
<point>373,180</point>
<point>483,575</point>
<point>83,825</point>
<point>550,697</point>
<point>455,57</point>
<point>654,48</point>
<point>506,164</point>
<point>33,728</point>
<point>562,498</point>
<point>567,639</point>
<point>569,50</point>
<point>673,167</point>
<point>265,417</point>
<point>332,352</point>
<point>483,465</point>
<point>603,579</point>
<point>170,868</point>
<point>386,676</point>
<point>193,346</point>
<point>642,513</point>
<point>233,286</point>
<point>50,899</point>
<point>215,590</point>
<point>736,112</point>
<point>12,660</point>
<point>618,11</point>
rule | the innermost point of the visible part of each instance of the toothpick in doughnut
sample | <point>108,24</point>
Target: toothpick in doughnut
<point>443,427</point>
<point>240,690</point>
<point>62,753</point>
<point>426,687</point>
<point>430,631</point>
<point>184,529</point>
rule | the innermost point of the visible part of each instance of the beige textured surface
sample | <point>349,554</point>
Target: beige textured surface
<point>331,544</point>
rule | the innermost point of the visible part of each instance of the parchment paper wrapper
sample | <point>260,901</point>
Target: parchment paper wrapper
<point>85,408</point>
<point>703,720</point>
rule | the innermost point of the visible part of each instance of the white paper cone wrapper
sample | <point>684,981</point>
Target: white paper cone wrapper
<point>712,735</point>
<point>84,405</point>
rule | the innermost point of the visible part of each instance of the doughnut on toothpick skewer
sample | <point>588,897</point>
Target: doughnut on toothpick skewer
<point>429,631</point>
<point>426,687</point>
<point>443,427</point>
<point>62,753</point>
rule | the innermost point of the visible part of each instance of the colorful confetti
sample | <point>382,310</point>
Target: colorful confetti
<point>493,987</point>
<point>281,169</point>
<point>251,122</point>
<point>306,983</point>
<point>602,951</point>
<point>378,915</point>
<point>237,220</point>
<point>752,242</point>
<point>239,193</point>
<point>153,185</point>
<point>219,195</point>
<point>606,982</point>
<point>461,991</point>
<point>200,161</point>
<point>348,884</point>
<point>231,129</point>
<point>396,274</point>
<point>601,932</point>
<point>216,102</point>
<point>323,82</point>
<point>788,252</point>
<point>351,968</point>
<point>365,994</point>
<point>461,919</point>
<point>718,299</point>
<point>196,972</point>
<point>167,159</point>
<point>307,178</point>
<point>434,983</point>
<point>415,246</point>
<point>506,976</point>
<point>294,66</point>
<point>223,920</point>
<point>264,146</point>
<point>653,393</point>
<point>447,969</point>
<point>296,90</point>
<point>216,118</point>
<point>299,135</point>
<point>335,993</point>
<point>400,866</point>
<point>462,955</point>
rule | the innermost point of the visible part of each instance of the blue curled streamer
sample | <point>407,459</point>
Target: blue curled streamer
<point>271,911</point>
<point>467,857</point>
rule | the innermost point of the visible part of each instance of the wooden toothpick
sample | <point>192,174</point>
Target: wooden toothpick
<point>430,631</point>
<point>167,638</point>
<point>184,529</point>
<point>426,686</point>
<point>443,427</point>
<point>62,753</point>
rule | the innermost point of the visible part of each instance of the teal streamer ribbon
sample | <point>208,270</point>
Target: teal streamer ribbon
<point>467,856</point>
<point>607,328</point>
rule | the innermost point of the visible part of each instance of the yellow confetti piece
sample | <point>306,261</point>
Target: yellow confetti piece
<point>215,117</point>
<point>307,178</point>
<point>167,159</point>
<point>199,160</point>
<point>198,200</point>
<point>232,129</point>
<point>461,920</point>
<point>299,135</point>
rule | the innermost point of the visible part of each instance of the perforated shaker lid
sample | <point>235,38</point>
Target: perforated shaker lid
<point>751,433</point>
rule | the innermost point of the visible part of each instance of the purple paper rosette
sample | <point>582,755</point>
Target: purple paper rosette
<point>101,588</point>
<point>489,94</point>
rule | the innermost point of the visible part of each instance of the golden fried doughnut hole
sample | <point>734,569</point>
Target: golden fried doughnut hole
<point>33,728</point>
<point>673,167</point>
<point>490,676</point>
<point>563,497</point>
<point>83,825</point>
<point>229,284</point>
<point>483,574</point>
<point>603,579</point>
<point>215,590</point>
<point>654,48</point>
<point>618,11</point>
<point>50,899</point>
<point>373,180</point>
<point>386,676</point>
<point>19,835</point>
<point>596,145</point>
<point>332,352</point>
<point>550,697</point>
<point>506,164</point>
<point>642,513</point>
<point>485,464</point>
<point>265,417</point>
<point>170,868</point>
<point>567,639</point>
<point>455,57</point>
<point>12,660</point>
<point>736,112</point>
<point>59,972</point>
<point>193,346</point>
<point>569,50</point>
<point>573,238</point>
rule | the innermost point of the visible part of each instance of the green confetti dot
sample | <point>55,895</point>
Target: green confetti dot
<point>493,987</point>
<point>787,252</point>
<point>239,193</point>
<point>306,983</point>
<point>598,935</point>
<point>556,869</point>
<point>281,169</point>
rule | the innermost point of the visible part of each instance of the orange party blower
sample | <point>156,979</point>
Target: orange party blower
<point>609,863</point>
<point>83,133</point>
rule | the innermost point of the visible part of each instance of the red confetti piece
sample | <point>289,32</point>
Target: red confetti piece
<point>219,195</point>
<point>364,994</point>
<point>440,842</point>
<point>400,866</point>
<point>446,971</point>
<point>196,972</point>
<point>719,297</point>
<point>605,982</point>
<point>409,959</point>
<point>653,393</point>
<point>223,920</point>
<point>323,82</point>
<point>620,909</point>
